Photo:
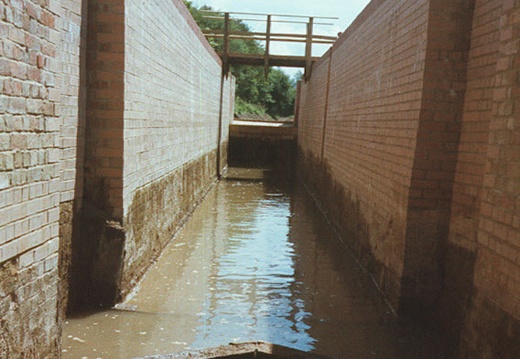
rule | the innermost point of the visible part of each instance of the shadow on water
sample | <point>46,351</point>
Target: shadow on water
<point>257,261</point>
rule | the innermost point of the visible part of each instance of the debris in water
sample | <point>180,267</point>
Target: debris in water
<point>78,340</point>
<point>125,306</point>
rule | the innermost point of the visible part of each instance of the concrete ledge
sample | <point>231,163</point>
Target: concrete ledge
<point>262,129</point>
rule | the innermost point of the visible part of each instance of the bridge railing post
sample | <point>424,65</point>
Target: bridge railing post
<point>308,49</point>
<point>267,45</point>
<point>225,52</point>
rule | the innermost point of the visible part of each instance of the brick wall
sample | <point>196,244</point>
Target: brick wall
<point>104,136</point>
<point>155,130</point>
<point>102,180</point>
<point>71,108</point>
<point>492,323</point>
<point>469,175</point>
<point>171,126</point>
<point>75,180</point>
<point>37,166</point>
<point>429,200</point>
<point>422,146</point>
<point>172,94</point>
<point>313,97</point>
<point>368,141</point>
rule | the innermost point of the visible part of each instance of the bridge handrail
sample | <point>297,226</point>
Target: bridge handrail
<point>292,61</point>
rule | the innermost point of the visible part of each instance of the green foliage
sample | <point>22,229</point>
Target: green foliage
<point>254,92</point>
<point>284,91</point>
<point>243,107</point>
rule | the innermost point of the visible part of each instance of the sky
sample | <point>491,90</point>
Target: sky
<point>345,10</point>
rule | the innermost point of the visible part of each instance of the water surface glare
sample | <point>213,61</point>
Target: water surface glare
<point>256,261</point>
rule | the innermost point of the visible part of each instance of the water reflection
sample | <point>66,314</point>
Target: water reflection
<point>253,293</point>
<point>255,262</point>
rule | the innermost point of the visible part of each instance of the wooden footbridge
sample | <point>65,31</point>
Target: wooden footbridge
<point>267,59</point>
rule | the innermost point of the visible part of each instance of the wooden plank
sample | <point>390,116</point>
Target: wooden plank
<point>274,60</point>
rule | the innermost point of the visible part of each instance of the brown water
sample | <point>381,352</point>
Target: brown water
<point>256,261</point>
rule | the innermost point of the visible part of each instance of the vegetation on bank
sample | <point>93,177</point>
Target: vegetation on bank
<point>255,94</point>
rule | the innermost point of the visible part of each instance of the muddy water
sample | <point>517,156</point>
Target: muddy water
<point>256,261</point>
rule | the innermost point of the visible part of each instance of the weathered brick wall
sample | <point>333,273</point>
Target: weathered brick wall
<point>422,145</point>
<point>48,135</point>
<point>374,101</point>
<point>152,140</point>
<point>37,162</point>
<point>172,116</point>
<point>469,176</point>
<point>444,84</point>
<point>172,93</point>
<point>102,192</point>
